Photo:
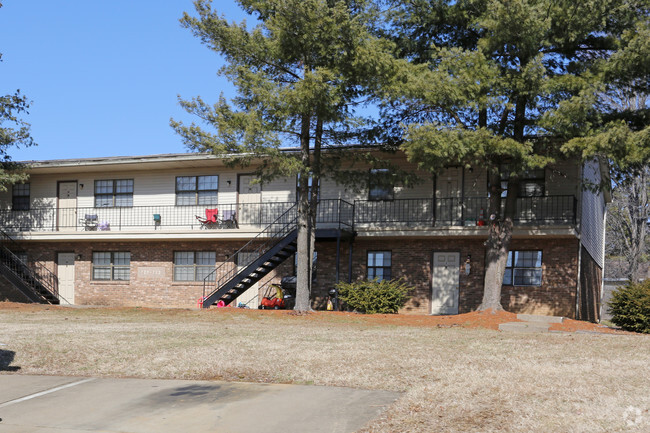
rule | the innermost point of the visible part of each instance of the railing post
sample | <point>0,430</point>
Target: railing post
<point>339,209</point>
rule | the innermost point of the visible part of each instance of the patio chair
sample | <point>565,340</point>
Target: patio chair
<point>210,221</point>
<point>229,220</point>
<point>89,222</point>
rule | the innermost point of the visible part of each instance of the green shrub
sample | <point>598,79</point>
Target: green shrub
<point>374,297</point>
<point>630,307</point>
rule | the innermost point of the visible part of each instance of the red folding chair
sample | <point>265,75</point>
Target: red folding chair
<point>210,220</point>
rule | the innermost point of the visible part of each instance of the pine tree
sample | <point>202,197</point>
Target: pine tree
<point>299,72</point>
<point>514,85</point>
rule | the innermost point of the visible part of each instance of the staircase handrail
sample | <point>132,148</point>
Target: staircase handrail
<point>42,274</point>
<point>269,233</point>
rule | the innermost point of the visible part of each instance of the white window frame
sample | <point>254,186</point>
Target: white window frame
<point>193,264</point>
<point>524,271</point>
<point>115,265</point>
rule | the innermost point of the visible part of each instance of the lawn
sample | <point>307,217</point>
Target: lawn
<point>453,378</point>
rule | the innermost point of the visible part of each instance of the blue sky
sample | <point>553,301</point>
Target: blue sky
<point>103,77</point>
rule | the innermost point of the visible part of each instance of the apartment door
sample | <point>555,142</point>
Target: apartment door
<point>250,297</point>
<point>65,274</point>
<point>445,283</point>
<point>449,206</point>
<point>250,198</point>
<point>67,208</point>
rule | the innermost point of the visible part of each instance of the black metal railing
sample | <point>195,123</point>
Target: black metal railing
<point>167,217</point>
<point>333,213</point>
<point>34,273</point>
<point>251,251</point>
<point>468,211</point>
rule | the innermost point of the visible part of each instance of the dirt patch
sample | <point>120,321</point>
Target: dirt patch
<point>477,319</point>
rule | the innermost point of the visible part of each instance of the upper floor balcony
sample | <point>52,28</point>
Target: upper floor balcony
<point>360,215</point>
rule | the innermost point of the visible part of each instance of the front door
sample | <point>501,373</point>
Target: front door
<point>445,283</point>
<point>65,274</point>
<point>67,210</point>
<point>250,198</point>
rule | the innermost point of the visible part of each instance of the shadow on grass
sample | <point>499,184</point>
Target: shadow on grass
<point>6,358</point>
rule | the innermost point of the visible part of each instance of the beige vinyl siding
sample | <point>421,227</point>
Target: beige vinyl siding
<point>279,190</point>
<point>594,209</point>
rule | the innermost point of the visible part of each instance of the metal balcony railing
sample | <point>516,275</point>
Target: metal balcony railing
<point>468,211</point>
<point>335,213</point>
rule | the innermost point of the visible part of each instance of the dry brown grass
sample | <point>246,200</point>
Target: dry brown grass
<point>454,379</point>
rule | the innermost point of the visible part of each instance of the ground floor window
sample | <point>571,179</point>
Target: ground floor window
<point>111,266</point>
<point>194,265</point>
<point>379,265</point>
<point>524,268</point>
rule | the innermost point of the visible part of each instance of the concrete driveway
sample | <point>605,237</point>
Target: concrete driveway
<point>49,404</point>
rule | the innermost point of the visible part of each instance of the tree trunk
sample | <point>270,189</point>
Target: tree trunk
<point>500,226</point>
<point>314,195</point>
<point>303,271</point>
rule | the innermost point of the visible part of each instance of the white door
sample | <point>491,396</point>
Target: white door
<point>250,297</point>
<point>67,212</point>
<point>250,197</point>
<point>449,209</point>
<point>445,283</point>
<point>65,273</point>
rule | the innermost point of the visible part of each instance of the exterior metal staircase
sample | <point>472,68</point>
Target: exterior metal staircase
<point>36,282</point>
<point>270,248</point>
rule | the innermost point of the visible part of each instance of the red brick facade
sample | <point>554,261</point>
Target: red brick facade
<point>151,275</point>
<point>151,278</point>
<point>412,261</point>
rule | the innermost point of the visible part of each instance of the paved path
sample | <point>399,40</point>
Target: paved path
<point>55,404</point>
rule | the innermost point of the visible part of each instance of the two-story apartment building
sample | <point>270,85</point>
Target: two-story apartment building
<point>167,230</point>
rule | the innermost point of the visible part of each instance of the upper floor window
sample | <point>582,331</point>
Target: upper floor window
<point>531,182</point>
<point>114,193</point>
<point>20,197</point>
<point>380,186</point>
<point>197,190</point>
<point>379,265</point>
<point>111,266</point>
<point>524,268</point>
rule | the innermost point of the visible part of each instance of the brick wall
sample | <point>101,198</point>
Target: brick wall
<point>151,278</point>
<point>412,259</point>
<point>152,284</point>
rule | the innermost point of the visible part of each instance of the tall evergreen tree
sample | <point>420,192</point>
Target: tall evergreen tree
<point>513,85</point>
<point>300,72</point>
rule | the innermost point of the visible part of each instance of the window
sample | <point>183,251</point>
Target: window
<point>114,193</point>
<point>381,186</point>
<point>20,197</point>
<point>111,266</point>
<point>524,270</point>
<point>379,263</point>
<point>531,182</point>
<point>194,265</point>
<point>197,190</point>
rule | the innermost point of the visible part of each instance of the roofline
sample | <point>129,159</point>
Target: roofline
<point>139,159</point>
